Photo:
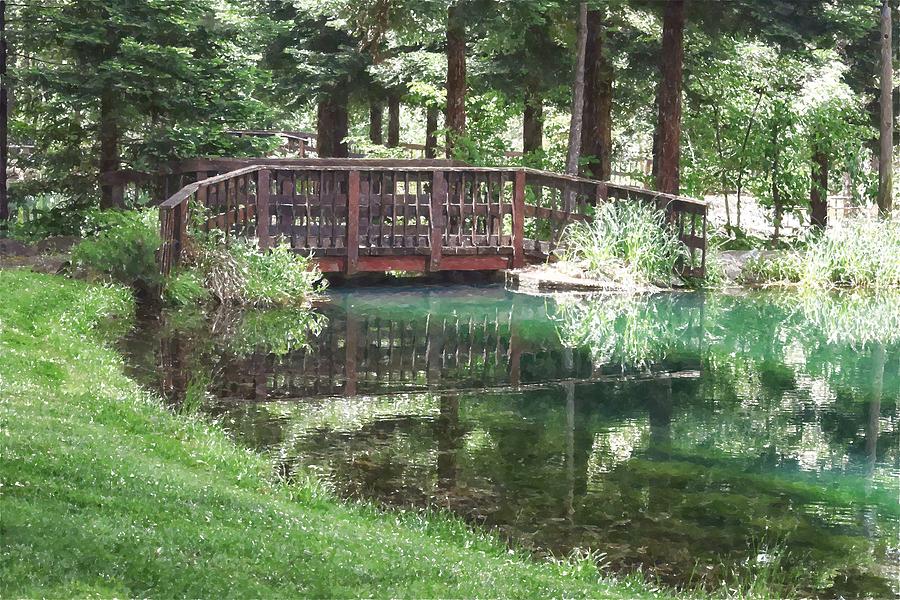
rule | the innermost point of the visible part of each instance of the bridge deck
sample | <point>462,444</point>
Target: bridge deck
<point>356,215</point>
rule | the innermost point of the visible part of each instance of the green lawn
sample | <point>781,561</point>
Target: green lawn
<point>106,493</point>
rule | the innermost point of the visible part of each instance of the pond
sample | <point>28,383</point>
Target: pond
<point>704,439</point>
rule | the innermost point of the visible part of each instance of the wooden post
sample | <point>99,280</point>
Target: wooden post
<point>181,220</point>
<point>352,242</point>
<point>703,250</point>
<point>886,126</point>
<point>165,250</point>
<point>4,120</point>
<point>436,219</point>
<point>202,201</point>
<point>263,188</point>
<point>602,193</point>
<point>518,221</point>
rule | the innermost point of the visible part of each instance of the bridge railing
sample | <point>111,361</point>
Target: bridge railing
<point>358,215</point>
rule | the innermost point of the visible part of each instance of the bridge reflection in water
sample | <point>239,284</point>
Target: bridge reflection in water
<point>390,341</point>
<point>614,440</point>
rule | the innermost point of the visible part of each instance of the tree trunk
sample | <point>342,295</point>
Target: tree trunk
<point>456,75</point>
<point>331,126</point>
<point>885,166</point>
<point>669,123</point>
<point>4,121</point>
<point>376,119</point>
<point>577,94</point>
<point>596,137</point>
<point>818,194</point>
<point>577,104</point>
<point>743,163</point>
<point>533,123</point>
<point>109,146</point>
<point>533,134</point>
<point>717,123</point>
<point>393,138</point>
<point>431,125</point>
<point>776,190</point>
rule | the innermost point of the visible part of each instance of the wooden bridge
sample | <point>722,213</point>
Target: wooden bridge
<point>358,215</point>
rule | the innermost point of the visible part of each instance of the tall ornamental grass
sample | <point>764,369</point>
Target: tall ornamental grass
<point>857,253</point>
<point>628,243</point>
<point>862,252</point>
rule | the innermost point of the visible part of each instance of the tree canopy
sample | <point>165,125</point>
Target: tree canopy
<point>761,97</point>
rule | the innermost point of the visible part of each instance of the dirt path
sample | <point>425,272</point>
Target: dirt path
<point>46,256</point>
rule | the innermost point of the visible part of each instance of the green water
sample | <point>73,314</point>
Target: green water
<point>707,440</point>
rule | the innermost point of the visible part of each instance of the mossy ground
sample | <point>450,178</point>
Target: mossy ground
<point>106,493</point>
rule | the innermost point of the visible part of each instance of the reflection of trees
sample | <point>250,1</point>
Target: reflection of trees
<point>874,407</point>
<point>448,434</point>
<point>811,373</point>
<point>787,436</point>
<point>799,365</point>
<point>667,501</point>
<point>633,331</point>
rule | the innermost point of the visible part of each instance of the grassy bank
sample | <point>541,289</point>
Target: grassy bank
<point>107,493</point>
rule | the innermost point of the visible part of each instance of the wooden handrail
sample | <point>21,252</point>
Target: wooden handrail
<point>476,200</point>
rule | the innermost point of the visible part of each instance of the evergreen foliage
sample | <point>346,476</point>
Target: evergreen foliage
<point>776,95</point>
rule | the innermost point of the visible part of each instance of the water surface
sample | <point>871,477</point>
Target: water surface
<point>705,439</point>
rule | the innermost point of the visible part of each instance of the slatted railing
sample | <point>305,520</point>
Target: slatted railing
<point>396,215</point>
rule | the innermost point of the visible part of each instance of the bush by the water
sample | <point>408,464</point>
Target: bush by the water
<point>627,243</point>
<point>121,245</point>
<point>237,273</point>
<point>861,252</point>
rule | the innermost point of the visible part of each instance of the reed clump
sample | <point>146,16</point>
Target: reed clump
<point>626,243</point>
<point>858,253</point>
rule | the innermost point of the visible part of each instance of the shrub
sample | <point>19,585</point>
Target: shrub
<point>184,288</point>
<point>122,247</point>
<point>237,273</point>
<point>52,216</point>
<point>784,267</point>
<point>627,243</point>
